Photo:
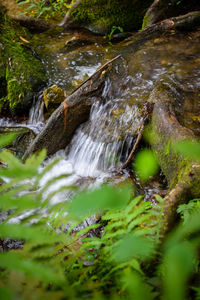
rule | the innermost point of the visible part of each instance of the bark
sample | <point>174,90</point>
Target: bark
<point>186,22</point>
<point>162,9</point>
<point>68,21</point>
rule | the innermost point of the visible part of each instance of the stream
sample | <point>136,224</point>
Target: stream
<point>102,144</point>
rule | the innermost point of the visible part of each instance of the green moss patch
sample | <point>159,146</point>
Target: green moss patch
<point>102,15</point>
<point>20,70</point>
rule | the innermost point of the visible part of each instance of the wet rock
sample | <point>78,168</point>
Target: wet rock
<point>33,24</point>
<point>75,43</point>
<point>8,244</point>
<point>53,97</point>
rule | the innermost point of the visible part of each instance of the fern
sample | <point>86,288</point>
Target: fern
<point>123,260</point>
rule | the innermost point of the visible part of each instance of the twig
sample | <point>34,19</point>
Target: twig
<point>96,72</point>
<point>148,111</point>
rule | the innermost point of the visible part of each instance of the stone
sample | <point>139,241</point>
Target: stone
<point>53,97</point>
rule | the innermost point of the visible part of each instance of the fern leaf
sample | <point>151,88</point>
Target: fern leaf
<point>13,261</point>
<point>138,221</point>
<point>133,203</point>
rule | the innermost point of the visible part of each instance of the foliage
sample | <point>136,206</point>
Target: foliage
<point>46,9</point>
<point>114,29</point>
<point>188,149</point>
<point>119,257</point>
<point>146,164</point>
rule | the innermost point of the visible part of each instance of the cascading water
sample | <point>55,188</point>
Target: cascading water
<point>99,146</point>
<point>36,114</point>
<point>102,144</point>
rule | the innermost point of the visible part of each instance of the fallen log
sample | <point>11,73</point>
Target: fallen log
<point>70,114</point>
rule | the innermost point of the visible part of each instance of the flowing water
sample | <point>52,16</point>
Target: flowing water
<point>102,144</point>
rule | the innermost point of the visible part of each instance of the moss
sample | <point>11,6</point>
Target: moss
<point>22,71</point>
<point>146,21</point>
<point>53,96</point>
<point>103,14</point>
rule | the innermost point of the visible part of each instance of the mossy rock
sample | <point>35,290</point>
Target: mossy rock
<point>21,72</point>
<point>101,15</point>
<point>53,97</point>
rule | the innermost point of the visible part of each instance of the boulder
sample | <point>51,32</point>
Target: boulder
<point>53,97</point>
<point>100,16</point>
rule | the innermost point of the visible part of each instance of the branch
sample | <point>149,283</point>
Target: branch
<point>96,72</point>
<point>148,110</point>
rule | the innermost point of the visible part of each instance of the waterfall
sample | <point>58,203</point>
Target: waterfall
<point>36,114</point>
<point>99,145</point>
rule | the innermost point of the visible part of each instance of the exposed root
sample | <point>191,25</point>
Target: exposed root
<point>148,110</point>
<point>183,174</point>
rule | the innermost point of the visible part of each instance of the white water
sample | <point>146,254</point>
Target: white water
<point>36,117</point>
<point>96,149</point>
<point>36,114</point>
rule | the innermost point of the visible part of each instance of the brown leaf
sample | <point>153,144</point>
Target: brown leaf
<point>23,39</point>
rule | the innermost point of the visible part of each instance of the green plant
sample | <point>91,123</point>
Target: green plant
<point>119,257</point>
<point>46,9</point>
<point>113,30</point>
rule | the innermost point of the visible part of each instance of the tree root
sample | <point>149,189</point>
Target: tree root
<point>183,174</point>
<point>148,110</point>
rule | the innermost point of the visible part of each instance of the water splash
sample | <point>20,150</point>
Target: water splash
<point>36,114</point>
<point>102,144</point>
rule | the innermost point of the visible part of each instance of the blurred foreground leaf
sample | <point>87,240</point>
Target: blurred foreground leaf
<point>13,261</point>
<point>188,149</point>
<point>133,246</point>
<point>146,164</point>
<point>6,139</point>
<point>106,197</point>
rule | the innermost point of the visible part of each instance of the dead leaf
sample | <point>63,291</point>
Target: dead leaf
<point>163,62</point>
<point>23,39</point>
<point>10,61</point>
<point>91,83</point>
<point>102,74</point>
